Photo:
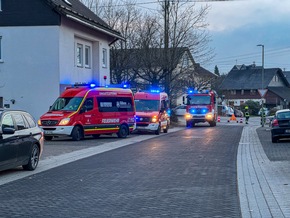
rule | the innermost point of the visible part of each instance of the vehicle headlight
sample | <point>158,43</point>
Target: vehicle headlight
<point>154,119</point>
<point>64,121</point>
<point>209,116</point>
<point>187,116</point>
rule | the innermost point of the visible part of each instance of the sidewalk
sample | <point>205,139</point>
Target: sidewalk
<point>264,186</point>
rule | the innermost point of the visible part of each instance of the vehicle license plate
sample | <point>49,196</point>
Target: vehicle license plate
<point>47,132</point>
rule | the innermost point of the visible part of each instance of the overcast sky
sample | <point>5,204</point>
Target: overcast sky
<point>237,27</point>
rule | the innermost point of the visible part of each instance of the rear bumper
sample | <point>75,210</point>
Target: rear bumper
<point>281,132</point>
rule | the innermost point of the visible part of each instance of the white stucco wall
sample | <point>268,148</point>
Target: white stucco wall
<point>72,33</point>
<point>38,62</point>
<point>276,81</point>
<point>29,71</point>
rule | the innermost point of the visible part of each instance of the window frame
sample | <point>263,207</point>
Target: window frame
<point>104,58</point>
<point>87,56</point>
<point>1,53</point>
<point>79,55</point>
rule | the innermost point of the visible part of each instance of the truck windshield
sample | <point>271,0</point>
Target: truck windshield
<point>66,104</point>
<point>198,99</point>
<point>147,105</point>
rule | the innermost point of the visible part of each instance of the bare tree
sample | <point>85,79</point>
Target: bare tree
<point>142,57</point>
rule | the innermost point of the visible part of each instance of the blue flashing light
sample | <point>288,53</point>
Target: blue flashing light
<point>169,112</point>
<point>137,118</point>
<point>93,85</point>
<point>155,91</point>
<point>192,91</point>
<point>204,111</point>
<point>192,111</point>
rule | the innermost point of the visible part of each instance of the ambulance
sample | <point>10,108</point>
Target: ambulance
<point>151,111</point>
<point>85,110</point>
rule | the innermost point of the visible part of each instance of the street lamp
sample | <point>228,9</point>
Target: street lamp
<point>262,111</point>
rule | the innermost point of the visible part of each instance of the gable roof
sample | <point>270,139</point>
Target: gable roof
<point>204,72</point>
<point>250,77</point>
<point>287,75</point>
<point>77,11</point>
<point>144,57</point>
<point>283,92</point>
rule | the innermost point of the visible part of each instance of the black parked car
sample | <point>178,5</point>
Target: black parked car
<point>21,140</point>
<point>280,125</point>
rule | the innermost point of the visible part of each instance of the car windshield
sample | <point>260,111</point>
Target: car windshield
<point>147,105</point>
<point>198,99</point>
<point>66,104</point>
<point>284,115</point>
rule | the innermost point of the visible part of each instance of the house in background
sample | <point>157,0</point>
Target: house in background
<point>244,83</point>
<point>46,45</point>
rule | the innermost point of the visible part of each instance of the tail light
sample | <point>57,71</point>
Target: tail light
<point>275,122</point>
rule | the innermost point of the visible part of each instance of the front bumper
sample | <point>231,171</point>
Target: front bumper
<point>199,117</point>
<point>57,130</point>
<point>147,127</point>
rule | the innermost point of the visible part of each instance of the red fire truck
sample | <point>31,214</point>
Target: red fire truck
<point>151,111</point>
<point>201,106</point>
<point>82,110</point>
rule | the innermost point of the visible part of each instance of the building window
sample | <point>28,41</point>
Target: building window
<point>185,61</point>
<point>79,55</point>
<point>253,92</point>
<point>0,5</point>
<point>0,47</point>
<point>242,92</point>
<point>87,56</point>
<point>233,92</point>
<point>104,59</point>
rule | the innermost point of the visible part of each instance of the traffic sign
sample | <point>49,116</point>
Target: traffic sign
<point>262,92</point>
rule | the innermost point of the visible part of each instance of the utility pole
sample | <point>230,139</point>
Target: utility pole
<point>166,45</point>
<point>262,111</point>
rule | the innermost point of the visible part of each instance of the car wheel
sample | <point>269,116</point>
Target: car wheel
<point>33,158</point>
<point>157,132</point>
<point>213,123</point>
<point>123,131</point>
<point>48,138</point>
<point>275,139</point>
<point>77,134</point>
<point>96,136</point>
<point>166,130</point>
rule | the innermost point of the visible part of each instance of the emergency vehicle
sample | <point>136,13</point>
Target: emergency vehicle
<point>201,106</point>
<point>83,110</point>
<point>151,111</point>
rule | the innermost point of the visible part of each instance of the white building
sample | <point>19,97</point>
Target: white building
<point>46,45</point>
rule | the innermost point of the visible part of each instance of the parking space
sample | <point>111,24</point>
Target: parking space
<point>275,151</point>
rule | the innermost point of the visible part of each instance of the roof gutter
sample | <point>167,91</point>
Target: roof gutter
<point>97,28</point>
